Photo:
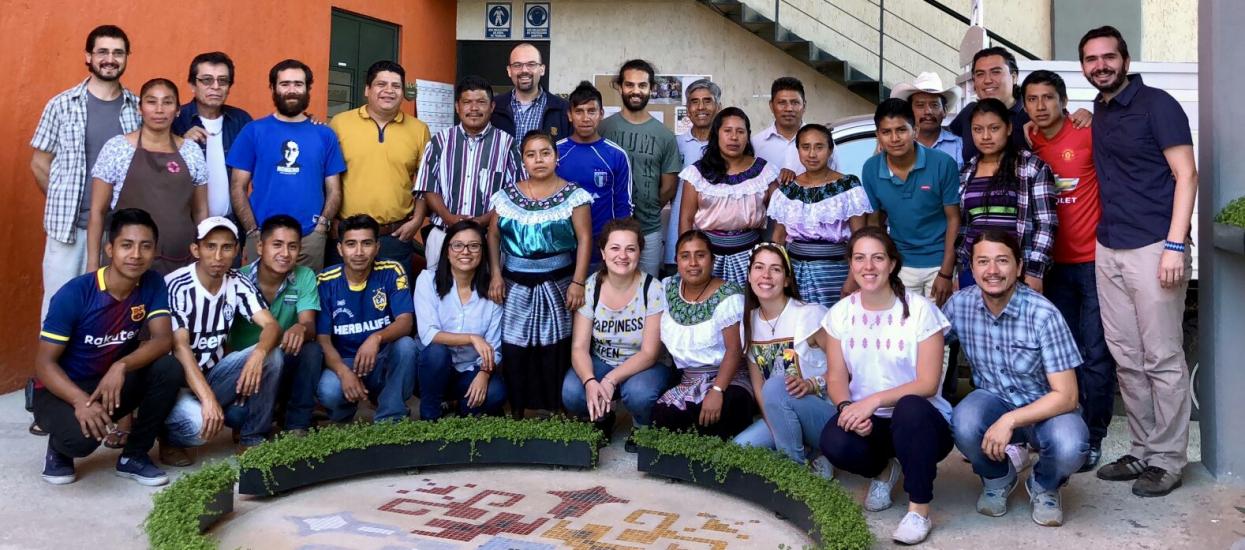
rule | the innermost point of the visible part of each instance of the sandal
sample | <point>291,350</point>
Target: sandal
<point>36,430</point>
<point>116,439</point>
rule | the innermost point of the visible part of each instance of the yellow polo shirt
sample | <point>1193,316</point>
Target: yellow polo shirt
<point>380,164</point>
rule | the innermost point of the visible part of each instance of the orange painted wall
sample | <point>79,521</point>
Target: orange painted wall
<point>44,40</point>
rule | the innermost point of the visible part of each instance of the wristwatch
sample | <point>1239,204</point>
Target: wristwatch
<point>843,404</point>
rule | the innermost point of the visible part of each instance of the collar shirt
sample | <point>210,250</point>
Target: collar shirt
<point>1036,216</point>
<point>527,116</point>
<point>467,170</point>
<point>435,314</point>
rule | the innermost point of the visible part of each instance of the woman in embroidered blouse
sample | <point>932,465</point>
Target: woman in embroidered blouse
<point>1005,187</point>
<point>540,241</point>
<point>616,338</point>
<point>814,215</point>
<point>783,345</point>
<point>725,192</point>
<point>460,328</point>
<point>885,368</point>
<point>700,329</point>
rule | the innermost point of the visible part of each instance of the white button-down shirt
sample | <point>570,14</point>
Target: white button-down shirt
<point>434,314</point>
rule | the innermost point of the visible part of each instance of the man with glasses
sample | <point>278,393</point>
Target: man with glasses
<point>527,107</point>
<point>213,124</point>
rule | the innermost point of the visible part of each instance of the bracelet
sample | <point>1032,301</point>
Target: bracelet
<point>1173,246</point>
<point>717,389</point>
<point>944,275</point>
<point>574,282</point>
<point>591,379</point>
<point>843,405</point>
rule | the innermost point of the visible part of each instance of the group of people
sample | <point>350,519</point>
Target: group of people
<point>804,309</point>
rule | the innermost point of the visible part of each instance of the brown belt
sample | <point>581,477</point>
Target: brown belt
<point>386,229</point>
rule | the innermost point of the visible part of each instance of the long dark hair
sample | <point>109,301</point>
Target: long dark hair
<point>1007,177</point>
<point>892,251</point>
<point>751,301</point>
<point>617,224</point>
<point>712,166</point>
<point>444,279</point>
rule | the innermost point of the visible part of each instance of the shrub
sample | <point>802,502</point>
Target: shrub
<point>173,523</point>
<point>1233,213</point>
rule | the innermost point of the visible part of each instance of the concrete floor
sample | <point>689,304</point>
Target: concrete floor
<point>102,511</point>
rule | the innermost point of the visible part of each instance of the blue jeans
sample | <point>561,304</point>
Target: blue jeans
<point>436,374</point>
<point>639,391</point>
<point>792,422</point>
<point>1062,442</point>
<point>299,376</point>
<point>1074,290</point>
<point>390,384</point>
<point>253,417</point>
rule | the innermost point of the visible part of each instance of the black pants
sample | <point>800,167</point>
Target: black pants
<point>738,408</point>
<point>916,434</point>
<point>153,389</point>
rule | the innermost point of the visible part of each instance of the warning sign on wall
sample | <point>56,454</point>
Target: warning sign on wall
<point>497,20</point>
<point>536,21</point>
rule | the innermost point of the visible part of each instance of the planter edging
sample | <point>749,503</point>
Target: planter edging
<point>1229,238</point>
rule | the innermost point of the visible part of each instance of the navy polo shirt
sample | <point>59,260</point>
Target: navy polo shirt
<point>914,207</point>
<point>962,125</point>
<point>1136,184</point>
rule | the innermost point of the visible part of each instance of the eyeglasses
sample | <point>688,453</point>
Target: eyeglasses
<point>473,247</point>
<point>530,65</point>
<point>222,81</point>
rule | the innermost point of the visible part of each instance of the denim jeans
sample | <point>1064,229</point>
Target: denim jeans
<point>639,391</point>
<point>793,423</point>
<point>1073,289</point>
<point>390,384</point>
<point>253,417</point>
<point>1062,442</point>
<point>436,374</point>
<point>299,376</point>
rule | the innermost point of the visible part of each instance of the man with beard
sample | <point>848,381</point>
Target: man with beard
<point>213,124</point>
<point>527,107</point>
<point>73,128</point>
<point>929,103</point>
<point>704,98</point>
<point>653,152</point>
<point>285,163</point>
<point>1143,154</point>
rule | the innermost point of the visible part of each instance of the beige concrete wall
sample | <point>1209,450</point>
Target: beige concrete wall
<point>1170,29</point>
<point>679,37</point>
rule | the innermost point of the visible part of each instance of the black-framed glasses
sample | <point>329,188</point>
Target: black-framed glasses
<point>209,80</point>
<point>530,65</point>
<point>473,247</point>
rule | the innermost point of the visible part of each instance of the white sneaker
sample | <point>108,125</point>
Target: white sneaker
<point>1019,456</point>
<point>822,467</point>
<point>879,497</point>
<point>913,529</point>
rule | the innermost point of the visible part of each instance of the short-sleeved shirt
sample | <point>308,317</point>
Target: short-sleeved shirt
<point>207,316</point>
<point>880,347</point>
<point>784,345</point>
<point>1137,185</point>
<point>914,207</point>
<point>962,126</point>
<point>97,329</point>
<point>618,333</point>
<point>381,163</point>
<point>1011,354</point>
<point>288,162</point>
<point>951,144</point>
<point>436,314</point>
<point>114,161</point>
<point>602,169</point>
<point>297,294</point>
<point>653,152</point>
<point>466,170</point>
<point>1070,155</point>
<point>350,314</point>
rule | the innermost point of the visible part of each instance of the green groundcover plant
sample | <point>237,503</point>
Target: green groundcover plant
<point>1233,213</point>
<point>174,520</point>
<point>839,522</point>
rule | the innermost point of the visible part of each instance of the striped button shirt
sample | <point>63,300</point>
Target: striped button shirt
<point>466,170</point>
<point>62,132</point>
<point>206,316</point>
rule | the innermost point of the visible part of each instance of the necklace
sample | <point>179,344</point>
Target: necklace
<point>773,327</point>
<point>702,290</point>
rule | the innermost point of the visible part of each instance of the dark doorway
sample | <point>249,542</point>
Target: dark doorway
<point>488,58</point>
<point>355,43</point>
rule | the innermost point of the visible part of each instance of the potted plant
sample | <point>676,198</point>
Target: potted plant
<point>1229,230</point>
<point>191,505</point>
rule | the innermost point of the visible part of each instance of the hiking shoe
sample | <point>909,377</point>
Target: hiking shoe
<point>993,502</point>
<point>913,529</point>
<point>1155,482</point>
<point>822,467</point>
<point>1125,468</point>
<point>139,468</point>
<point>1091,460</point>
<point>58,468</point>
<point>879,497</point>
<point>175,456</point>
<point>1047,506</point>
<point>1020,457</point>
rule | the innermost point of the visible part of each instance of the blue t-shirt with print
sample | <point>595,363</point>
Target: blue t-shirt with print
<point>288,162</point>
<point>601,168</point>
<point>351,314</point>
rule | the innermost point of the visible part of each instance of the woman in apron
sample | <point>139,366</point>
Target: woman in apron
<point>153,170</point>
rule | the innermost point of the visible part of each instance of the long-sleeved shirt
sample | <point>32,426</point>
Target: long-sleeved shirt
<point>435,314</point>
<point>1035,212</point>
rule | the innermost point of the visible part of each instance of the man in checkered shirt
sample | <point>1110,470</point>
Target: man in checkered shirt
<point>73,128</point>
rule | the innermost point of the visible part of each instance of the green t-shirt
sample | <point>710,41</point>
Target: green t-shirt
<point>653,151</point>
<point>296,295</point>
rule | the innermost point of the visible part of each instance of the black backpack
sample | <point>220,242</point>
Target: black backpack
<point>596,293</point>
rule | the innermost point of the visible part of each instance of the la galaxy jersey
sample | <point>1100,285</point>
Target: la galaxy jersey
<point>352,313</point>
<point>97,329</point>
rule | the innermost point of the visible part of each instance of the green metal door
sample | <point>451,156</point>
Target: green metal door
<point>354,44</point>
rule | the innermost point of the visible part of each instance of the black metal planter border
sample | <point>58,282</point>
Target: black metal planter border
<point>220,505</point>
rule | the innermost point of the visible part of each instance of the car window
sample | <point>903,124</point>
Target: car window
<point>852,152</point>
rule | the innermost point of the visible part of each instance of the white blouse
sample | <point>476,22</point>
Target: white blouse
<point>692,332</point>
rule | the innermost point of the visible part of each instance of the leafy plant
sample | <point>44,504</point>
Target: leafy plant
<point>173,523</point>
<point>840,525</point>
<point>1233,213</point>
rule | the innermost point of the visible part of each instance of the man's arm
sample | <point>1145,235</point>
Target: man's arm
<point>239,195</point>
<point>668,182</point>
<point>332,196</point>
<point>253,370</point>
<point>437,206</point>
<point>1180,159</point>
<point>41,166</point>
<point>943,285</point>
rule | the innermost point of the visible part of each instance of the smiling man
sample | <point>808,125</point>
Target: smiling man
<point>704,98</point>
<point>527,107</point>
<point>594,163</point>
<point>212,123</point>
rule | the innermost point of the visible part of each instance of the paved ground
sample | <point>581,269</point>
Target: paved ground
<point>102,511</point>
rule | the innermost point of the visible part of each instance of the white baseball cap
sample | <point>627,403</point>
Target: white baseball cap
<point>215,222</point>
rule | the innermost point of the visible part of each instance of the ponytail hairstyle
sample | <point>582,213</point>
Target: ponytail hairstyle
<point>751,301</point>
<point>617,224</point>
<point>892,252</point>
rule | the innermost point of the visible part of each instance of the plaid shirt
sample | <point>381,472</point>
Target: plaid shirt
<point>526,120</point>
<point>62,132</point>
<point>1011,354</point>
<point>467,170</point>
<point>1035,212</point>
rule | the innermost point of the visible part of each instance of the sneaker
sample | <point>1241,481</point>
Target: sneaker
<point>879,497</point>
<point>1125,468</point>
<point>822,467</point>
<point>1155,482</point>
<point>1020,457</point>
<point>630,446</point>
<point>913,529</point>
<point>1091,460</point>
<point>58,468</point>
<point>175,456</point>
<point>993,502</point>
<point>139,468</point>
<point>1047,507</point>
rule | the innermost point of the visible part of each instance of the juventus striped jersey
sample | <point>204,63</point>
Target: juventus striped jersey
<point>208,316</point>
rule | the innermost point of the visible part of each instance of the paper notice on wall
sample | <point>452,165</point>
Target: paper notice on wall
<point>434,104</point>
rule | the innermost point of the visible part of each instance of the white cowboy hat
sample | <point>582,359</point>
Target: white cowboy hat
<point>929,83</point>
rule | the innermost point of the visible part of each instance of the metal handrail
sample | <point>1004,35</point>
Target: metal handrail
<point>1010,45</point>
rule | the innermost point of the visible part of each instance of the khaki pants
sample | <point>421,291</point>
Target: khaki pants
<point>310,254</point>
<point>1142,323</point>
<point>432,249</point>
<point>919,279</point>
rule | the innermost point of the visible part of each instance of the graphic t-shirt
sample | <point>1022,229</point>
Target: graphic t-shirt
<point>653,151</point>
<point>602,169</point>
<point>207,316</point>
<point>618,333</point>
<point>350,314</point>
<point>784,345</point>
<point>1070,155</point>
<point>288,162</point>
<point>97,329</point>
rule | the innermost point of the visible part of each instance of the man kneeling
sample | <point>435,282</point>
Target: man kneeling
<point>1022,355</point>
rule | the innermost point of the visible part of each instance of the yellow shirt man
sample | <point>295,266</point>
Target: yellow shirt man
<point>380,164</point>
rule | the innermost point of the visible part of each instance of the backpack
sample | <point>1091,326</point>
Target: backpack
<point>596,292</point>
